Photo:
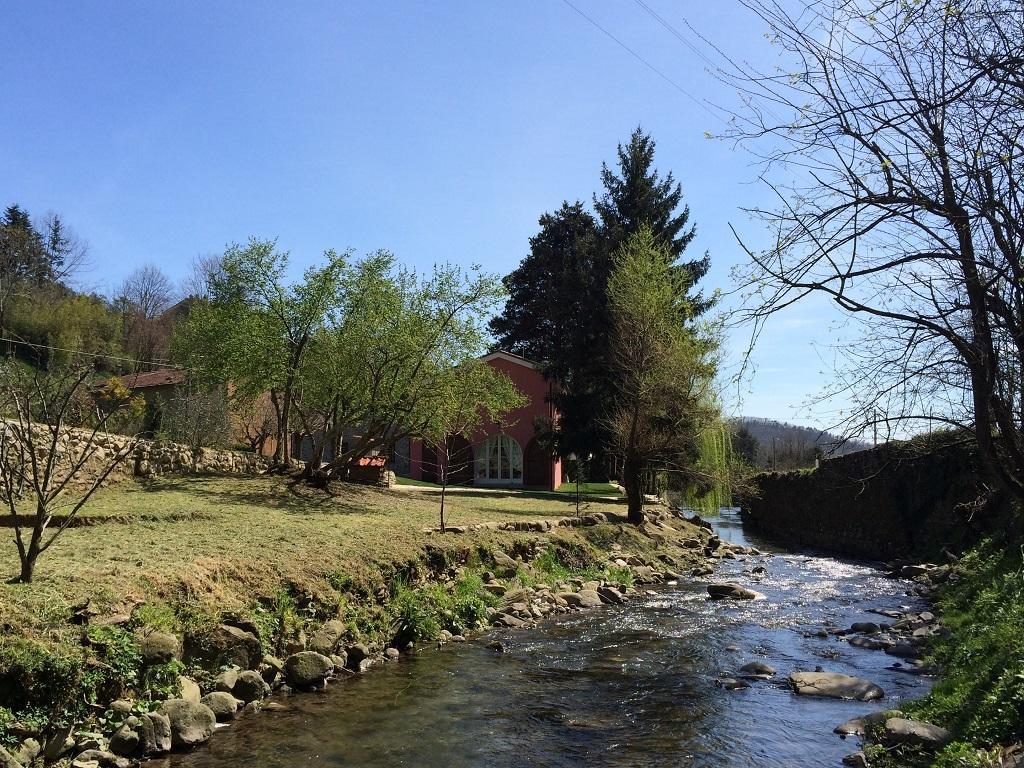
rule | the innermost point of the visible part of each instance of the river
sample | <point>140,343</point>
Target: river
<point>618,686</point>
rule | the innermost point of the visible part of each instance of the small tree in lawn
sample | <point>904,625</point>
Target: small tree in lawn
<point>52,453</point>
<point>664,368</point>
<point>475,394</point>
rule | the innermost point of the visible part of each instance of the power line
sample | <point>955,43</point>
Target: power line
<point>644,61</point>
<point>696,50</point>
<point>677,34</point>
<point>91,354</point>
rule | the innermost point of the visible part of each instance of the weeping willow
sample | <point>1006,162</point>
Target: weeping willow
<point>708,486</point>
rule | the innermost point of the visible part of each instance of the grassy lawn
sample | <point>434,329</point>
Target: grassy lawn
<point>592,489</point>
<point>221,541</point>
<point>586,489</point>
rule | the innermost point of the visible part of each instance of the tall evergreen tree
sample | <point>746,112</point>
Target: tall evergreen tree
<point>557,311</point>
<point>637,195</point>
<point>546,305</point>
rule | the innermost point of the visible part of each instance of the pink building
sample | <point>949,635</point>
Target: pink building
<point>500,455</point>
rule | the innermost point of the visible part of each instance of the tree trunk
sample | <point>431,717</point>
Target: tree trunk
<point>279,448</point>
<point>28,559</point>
<point>632,480</point>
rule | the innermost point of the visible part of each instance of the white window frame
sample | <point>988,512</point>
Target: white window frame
<point>506,452</point>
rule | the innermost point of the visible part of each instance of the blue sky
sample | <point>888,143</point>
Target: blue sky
<point>440,131</point>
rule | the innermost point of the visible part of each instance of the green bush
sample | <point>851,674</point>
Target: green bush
<point>981,695</point>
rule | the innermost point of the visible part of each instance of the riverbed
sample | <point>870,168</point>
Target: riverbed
<point>618,686</point>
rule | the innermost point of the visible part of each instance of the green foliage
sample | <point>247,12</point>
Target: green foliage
<point>118,649</point>
<point>665,418</point>
<point>158,616</point>
<point>43,682</point>
<point>160,681</point>
<point>621,576</point>
<point>981,695</point>
<point>558,313</point>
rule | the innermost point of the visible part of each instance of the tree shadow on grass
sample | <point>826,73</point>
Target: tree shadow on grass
<point>289,494</point>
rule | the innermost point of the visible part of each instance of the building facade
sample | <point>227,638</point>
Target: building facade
<point>497,455</point>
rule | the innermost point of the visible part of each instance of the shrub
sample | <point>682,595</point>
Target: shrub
<point>981,696</point>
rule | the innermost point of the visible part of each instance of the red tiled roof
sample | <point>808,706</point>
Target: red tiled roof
<point>161,378</point>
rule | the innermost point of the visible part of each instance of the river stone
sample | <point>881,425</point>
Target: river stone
<point>611,595</point>
<point>731,683</point>
<point>189,689</point>
<point>899,730</point>
<point>904,651</point>
<point>191,724</point>
<point>223,705</point>
<point>307,669</point>
<point>758,670</point>
<point>161,729</point>
<point>250,686</point>
<point>731,592</point>
<point>159,647</point>
<point>227,644</point>
<point>865,627</point>
<point>226,680</point>
<point>834,685</point>
<point>859,726</point>
<point>588,598</point>
<point>355,655</point>
<point>326,640</point>
<point>870,643</point>
<point>91,758</point>
<point>126,741</point>
<point>29,750</point>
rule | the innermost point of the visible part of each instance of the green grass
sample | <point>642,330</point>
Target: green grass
<point>980,697</point>
<point>201,541</point>
<point>590,489</point>
<point>415,483</point>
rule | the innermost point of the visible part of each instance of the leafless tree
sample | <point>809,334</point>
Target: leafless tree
<point>892,143</point>
<point>143,299</point>
<point>206,269</point>
<point>54,450</point>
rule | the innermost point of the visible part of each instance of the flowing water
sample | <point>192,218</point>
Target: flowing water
<point>618,686</point>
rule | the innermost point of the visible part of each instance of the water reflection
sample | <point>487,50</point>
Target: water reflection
<point>630,686</point>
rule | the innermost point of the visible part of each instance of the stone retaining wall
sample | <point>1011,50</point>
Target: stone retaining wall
<point>899,500</point>
<point>149,458</point>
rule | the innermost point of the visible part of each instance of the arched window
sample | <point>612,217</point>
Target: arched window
<point>499,460</point>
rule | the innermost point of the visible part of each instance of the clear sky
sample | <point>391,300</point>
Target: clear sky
<point>439,131</point>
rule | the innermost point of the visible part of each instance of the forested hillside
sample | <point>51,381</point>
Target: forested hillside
<point>768,444</point>
<point>43,317</point>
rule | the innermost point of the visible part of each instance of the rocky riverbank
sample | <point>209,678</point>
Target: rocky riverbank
<point>236,668</point>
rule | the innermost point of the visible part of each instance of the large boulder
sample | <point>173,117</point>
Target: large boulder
<point>160,740</point>
<point>126,740</point>
<point>190,724</point>
<point>834,685</point>
<point>915,733</point>
<point>250,686</point>
<point>307,669</point>
<point>731,592</point>
<point>223,705</point>
<point>326,640</point>
<point>159,647</point>
<point>228,645</point>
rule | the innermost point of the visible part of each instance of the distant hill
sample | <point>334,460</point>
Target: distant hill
<point>767,444</point>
